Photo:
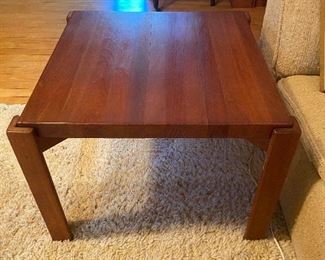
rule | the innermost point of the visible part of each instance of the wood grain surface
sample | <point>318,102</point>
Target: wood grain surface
<point>159,70</point>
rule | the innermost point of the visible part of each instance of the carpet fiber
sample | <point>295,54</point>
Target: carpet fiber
<point>137,199</point>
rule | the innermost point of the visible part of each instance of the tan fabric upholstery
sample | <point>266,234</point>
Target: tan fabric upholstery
<point>290,42</point>
<point>302,204</point>
<point>290,37</point>
<point>307,103</point>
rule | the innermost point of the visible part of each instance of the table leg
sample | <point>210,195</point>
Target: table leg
<point>25,144</point>
<point>280,152</point>
<point>156,4</point>
<point>212,2</point>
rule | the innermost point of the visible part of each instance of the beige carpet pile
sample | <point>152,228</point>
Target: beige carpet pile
<point>137,199</point>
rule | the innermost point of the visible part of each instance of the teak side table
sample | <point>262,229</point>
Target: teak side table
<point>152,75</point>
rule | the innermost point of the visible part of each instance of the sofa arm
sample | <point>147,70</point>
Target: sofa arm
<point>290,37</point>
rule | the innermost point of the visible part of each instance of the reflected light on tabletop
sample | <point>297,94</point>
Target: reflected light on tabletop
<point>130,5</point>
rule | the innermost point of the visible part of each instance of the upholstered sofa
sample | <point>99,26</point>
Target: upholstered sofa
<point>290,44</point>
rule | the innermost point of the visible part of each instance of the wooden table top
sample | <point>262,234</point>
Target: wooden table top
<point>156,69</point>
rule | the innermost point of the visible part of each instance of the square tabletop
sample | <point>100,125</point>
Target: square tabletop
<point>200,69</point>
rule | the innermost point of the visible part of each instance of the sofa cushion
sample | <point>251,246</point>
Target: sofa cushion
<point>303,206</point>
<point>290,37</point>
<point>307,103</point>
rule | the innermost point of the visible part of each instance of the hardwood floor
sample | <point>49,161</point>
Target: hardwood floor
<point>30,30</point>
